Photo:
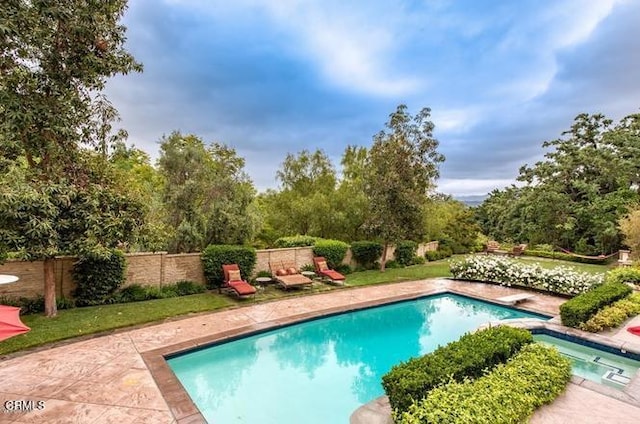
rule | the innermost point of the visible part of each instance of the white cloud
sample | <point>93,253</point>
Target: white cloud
<point>470,187</point>
<point>352,46</point>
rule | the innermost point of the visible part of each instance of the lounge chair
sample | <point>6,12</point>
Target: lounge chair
<point>518,250</point>
<point>323,270</point>
<point>287,275</point>
<point>234,282</point>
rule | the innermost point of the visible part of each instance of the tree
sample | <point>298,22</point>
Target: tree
<point>305,204</point>
<point>451,222</point>
<point>144,182</point>
<point>630,228</point>
<point>55,59</point>
<point>207,195</point>
<point>401,169</point>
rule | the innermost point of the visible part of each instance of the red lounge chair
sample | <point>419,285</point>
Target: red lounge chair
<point>233,281</point>
<point>634,330</point>
<point>323,270</point>
<point>287,275</point>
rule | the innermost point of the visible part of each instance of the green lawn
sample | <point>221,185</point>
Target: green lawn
<point>552,263</point>
<point>96,319</point>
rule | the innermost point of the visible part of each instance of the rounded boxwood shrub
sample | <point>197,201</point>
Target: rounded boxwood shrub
<point>98,277</point>
<point>295,241</point>
<point>216,255</point>
<point>366,253</point>
<point>405,251</point>
<point>470,356</point>
<point>333,251</point>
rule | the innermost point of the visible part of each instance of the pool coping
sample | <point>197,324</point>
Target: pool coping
<point>180,403</point>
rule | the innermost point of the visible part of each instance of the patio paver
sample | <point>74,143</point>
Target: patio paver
<point>105,379</point>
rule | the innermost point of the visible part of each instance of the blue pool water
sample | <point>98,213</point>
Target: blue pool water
<point>320,371</point>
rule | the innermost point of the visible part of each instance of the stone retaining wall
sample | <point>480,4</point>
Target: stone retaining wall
<point>152,269</point>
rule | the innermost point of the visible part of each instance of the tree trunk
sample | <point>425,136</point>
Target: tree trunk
<point>383,259</point>
<point>50,309</point>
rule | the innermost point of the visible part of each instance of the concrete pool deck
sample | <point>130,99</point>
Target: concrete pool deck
<point>121,377</point>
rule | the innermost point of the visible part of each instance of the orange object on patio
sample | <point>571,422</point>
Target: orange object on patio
<point>10,324</point>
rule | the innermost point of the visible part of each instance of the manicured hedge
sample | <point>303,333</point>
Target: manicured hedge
<point>582,307</point>
<point>366,253</point>
<point>470,356</point>
<point>216,255</point>
<point>613,315</point>
<point>295,241</point>
<point>332,250</point>
<point>510,393</point>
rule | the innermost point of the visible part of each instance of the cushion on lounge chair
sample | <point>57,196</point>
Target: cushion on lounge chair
<point>234,275</point>
<point>242,287</point>
<point>322,265</point>
<point>281,272</point>
<point>334,275</point>
<point>292,271</point>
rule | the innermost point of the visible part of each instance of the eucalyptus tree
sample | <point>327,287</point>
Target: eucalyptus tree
<point>55,58</point>
<point>402,168</point>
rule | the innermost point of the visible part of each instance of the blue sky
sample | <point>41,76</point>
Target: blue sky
<point>271,77</point>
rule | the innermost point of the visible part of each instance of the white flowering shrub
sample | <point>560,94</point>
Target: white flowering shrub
<point>506,271</point>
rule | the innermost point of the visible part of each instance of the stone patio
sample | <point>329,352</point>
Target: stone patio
<point>121,377</point>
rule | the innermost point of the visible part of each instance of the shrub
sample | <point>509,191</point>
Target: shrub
<point>132,293</point>
<point>392,264</point>
<point>582,307</point>
<point>187,287</point>
<point>418,260</point>
<point>332,250</point>
<point>624,275</point>
<point>405,251</point>
<point>505,271</point>
<point>34,305</point>
<point>508,394</point>
<point>436,255</point>
<point>468,357</point>
<point>366,253</point>
<point>98,277</point>
<point>343,269</point>
<point>216,255</point>
<point>295,241</point>
<point>614,315</point>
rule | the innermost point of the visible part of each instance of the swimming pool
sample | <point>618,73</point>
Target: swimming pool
<point>593,362</point>
<point>320,371</point>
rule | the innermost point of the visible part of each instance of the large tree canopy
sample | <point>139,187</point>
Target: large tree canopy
<point>207,195</point>
<point>55,58</point>
<point>576,195</point>
<point>401,170</point>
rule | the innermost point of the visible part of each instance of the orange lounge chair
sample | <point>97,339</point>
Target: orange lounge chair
<point>288,276</point>
<point>323,270</point>
<point>233,281</point>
